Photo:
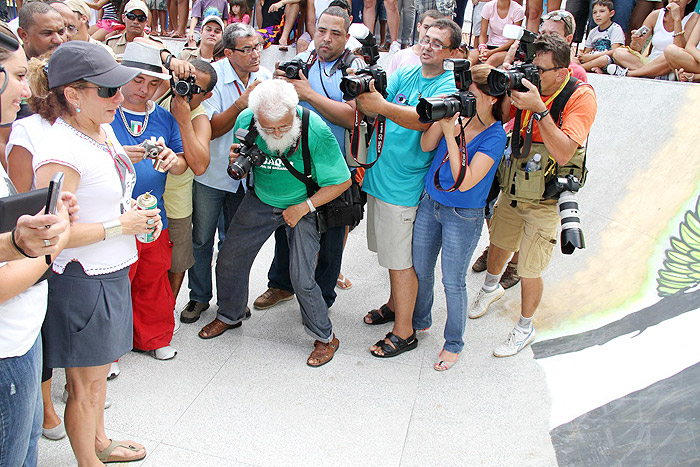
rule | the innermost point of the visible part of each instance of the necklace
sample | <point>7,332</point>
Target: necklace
<point>128,127</point>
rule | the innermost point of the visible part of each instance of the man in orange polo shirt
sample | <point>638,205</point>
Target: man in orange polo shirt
<point>523,219</point>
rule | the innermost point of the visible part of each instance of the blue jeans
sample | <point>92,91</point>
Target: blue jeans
<point>207,204</point>
<point>252,225</point>
<point>21,408</point>
<point>456,231</point>
<point>330,258</point>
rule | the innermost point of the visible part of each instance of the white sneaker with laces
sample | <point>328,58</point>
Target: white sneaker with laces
<point>164,353</point>
<point>616,70</point>
<point>113,371</point>
<point>483,300</point>
<point>517,341</point>
<point>395,47</point>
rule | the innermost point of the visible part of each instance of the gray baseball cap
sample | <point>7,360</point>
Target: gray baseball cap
<point>77,60</point>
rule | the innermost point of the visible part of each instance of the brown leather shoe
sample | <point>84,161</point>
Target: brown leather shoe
<point>510,276</point>
<point>323,353</point>
<point>216,328</point>
<point>480,264</point>
<point>272,297</point>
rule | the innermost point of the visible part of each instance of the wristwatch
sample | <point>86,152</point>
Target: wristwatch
<point>540,115</point>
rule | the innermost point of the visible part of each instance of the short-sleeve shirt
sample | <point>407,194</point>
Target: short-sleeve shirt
<point>104,193</point>
<point>492,142</point>
<point>577,116</point>
<point>177,197</point>
<point>404,57</point>
<point>26,134</point>
<point>515,14</point>
<point>325,80</point>
<point>203,8</point>
<point>276,186</point>
<point>229,87</point>
<point>602,41</point>
<point>160,123</point>
<point>397,177</point>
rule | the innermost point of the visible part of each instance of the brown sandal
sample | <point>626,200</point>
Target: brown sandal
<point>323,352</point>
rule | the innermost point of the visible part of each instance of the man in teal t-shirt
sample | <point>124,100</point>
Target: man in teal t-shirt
<point>280,198</point>
<point>395,183</point>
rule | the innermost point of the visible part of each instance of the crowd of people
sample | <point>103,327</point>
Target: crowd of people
<point>160,154</point>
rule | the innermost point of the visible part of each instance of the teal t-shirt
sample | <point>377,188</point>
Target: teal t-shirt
<point>398,175</point>
<point>275,185</point>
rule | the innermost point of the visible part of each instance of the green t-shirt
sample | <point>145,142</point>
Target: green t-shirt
<point>275,185</point>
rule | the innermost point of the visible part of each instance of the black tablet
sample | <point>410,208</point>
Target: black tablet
<point>14,206</point>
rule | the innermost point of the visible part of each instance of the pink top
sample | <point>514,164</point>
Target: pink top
<point>233,19</point>
<point>515,14</point>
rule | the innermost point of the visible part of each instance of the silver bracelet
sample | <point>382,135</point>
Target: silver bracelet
<point>311,205</point>
<point>112,229</point>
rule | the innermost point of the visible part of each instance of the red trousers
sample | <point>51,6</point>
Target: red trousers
<point>151,296</point>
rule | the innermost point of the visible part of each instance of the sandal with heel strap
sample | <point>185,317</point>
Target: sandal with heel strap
<point>400,345</point>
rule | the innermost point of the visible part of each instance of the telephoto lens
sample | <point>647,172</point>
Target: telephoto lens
<point>571,232</point>
<point>432,109</point>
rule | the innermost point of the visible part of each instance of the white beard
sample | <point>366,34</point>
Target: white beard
<point>285,141</point>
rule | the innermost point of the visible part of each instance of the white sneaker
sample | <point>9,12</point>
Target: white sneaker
<point>164,353</point>
<point>64,398</point>
<point>177,321</point>
<point>395,47</point>
<point>616,70</point>
<point>483,300</point>
<point>113,371</point>
<point>517,341</point>
<point>55,433</point>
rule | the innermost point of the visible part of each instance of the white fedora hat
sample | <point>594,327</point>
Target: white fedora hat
<point>144,57</point>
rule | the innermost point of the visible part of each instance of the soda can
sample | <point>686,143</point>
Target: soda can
<point>146,201</point>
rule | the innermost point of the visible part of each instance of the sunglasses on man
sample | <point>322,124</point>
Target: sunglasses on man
<point>133,16</point>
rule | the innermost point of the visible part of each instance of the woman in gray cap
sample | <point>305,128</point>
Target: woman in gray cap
<point>89,319</point>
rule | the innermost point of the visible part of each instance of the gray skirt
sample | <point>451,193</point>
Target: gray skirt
<point>89,320</point>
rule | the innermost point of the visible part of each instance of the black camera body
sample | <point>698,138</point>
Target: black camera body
<point>249,155</point>
<point>184,87</point>
<point>505,81</point>
<point>432,109</point>
<point>353,85</point>
<point>293,67</point>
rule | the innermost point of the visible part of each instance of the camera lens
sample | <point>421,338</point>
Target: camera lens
<point>433,109</point>
<point>571,232</point>
<point>499,82</point>
<point>239,168</point>
<point>181,88</point>
<point>292,72</point>
<point>351,86</point>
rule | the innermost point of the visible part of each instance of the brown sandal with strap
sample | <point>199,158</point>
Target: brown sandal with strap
<point>323,352</point>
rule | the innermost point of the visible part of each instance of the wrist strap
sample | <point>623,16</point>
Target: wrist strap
<point>311,205</point>
<point>14,244</point>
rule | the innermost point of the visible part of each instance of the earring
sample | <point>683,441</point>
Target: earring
<point>77,108</point>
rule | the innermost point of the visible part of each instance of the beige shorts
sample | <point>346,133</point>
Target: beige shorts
<point>181,237</point>
<point>390,233</point>
<point>530,229</point>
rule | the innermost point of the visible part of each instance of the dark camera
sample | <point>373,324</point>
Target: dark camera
<point>571,233</point>
<point>185,87</point>
<point>293,67</point>
<point>353,86</point>
<point>249,155</point>
<point>432,109</point>
<point>504,81</point>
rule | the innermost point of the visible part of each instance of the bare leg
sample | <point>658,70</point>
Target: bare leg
<point>533,13</point>
<point>658,67</point>
<point>496,259</point>
<point>82,410</point>
<point>370,14</point>
<point>624,58</point>
<point>678,58</point>
<point>496,59</point>
<point>172,15</point>
<point>176,279</point>
<point>291,11</point>
<point>404,287</point>
<point>530,295</point>
<point>553,5</point>
<point>598,62</point>
<point>183,8</point>
<point>51,419</point>
<point>392,16</point>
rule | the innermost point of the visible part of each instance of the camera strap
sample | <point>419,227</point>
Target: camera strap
<point>380,126</point>
<point>462,143</point>
<point>311,186</point>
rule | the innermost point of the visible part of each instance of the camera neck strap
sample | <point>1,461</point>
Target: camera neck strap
<point>311,186</point>
<point>462,143</point>
<point>379,126</point>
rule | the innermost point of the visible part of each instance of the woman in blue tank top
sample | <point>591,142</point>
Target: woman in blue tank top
<point>452,221</point>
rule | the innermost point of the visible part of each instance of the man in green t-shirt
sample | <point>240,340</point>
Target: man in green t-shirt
<point>280,198</point>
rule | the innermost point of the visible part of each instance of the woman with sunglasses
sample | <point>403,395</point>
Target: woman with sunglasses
<point>22,294</point>
<point>89,320</point>
<point>451,215</point>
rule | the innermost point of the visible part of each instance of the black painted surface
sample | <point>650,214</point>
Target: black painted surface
<point>656,426</point>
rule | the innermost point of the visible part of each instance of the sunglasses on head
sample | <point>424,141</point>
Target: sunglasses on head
<point>103,91</point>
<point>133,16</point>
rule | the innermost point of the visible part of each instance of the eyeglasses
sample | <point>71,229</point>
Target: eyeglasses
<point>103,91</point>
<point>544,70</point>
<point>561,15</point>
<point>133,16</point>
<point>433,45</point>
<point>71,29</point>
<point>281,129</point>
<point>249,50</point>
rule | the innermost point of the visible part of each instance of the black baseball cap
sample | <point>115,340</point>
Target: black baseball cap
<point>76,60</point>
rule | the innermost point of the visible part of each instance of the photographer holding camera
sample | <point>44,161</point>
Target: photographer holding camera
<point>316,78</point>
<point>140,120</point>
<point>395,183</point>
<point>284,143</point>
<point>552,123</point>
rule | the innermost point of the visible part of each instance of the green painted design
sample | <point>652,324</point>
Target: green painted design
<point>681,269</point>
